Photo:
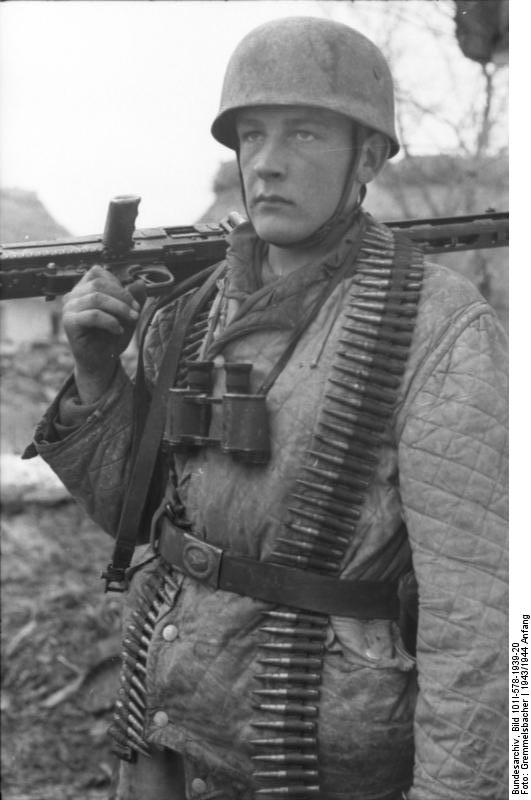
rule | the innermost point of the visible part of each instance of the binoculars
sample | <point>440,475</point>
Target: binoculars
<point>244,420</point>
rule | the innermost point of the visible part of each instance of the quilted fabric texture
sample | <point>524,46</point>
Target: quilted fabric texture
<point>453,485</point>
<point>442,472</point>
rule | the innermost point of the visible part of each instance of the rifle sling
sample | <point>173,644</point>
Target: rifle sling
<point>146,453</point>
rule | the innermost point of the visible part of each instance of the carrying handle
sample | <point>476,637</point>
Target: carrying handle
<point>120,225</point>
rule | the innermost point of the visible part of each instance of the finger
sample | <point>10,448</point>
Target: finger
<point>102,302</point>
<point>138,291</point>
<point>94,319</point>
<point>99,279</point>
<point>97,270</point>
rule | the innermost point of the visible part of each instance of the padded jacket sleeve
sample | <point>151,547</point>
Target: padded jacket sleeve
<point>93,460</point>
<point>453,484</point>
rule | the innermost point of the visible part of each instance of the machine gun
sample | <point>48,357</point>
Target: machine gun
<point>161,257</point>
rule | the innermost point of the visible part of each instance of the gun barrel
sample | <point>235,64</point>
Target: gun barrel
<point>33,269</point>
<point>455,234</point>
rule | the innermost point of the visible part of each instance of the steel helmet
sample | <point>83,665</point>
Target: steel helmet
<point>311,62</point>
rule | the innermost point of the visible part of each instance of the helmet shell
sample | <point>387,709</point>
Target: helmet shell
<point>310,62</point>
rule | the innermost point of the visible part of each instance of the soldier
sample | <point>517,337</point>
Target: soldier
<point>336,425</point>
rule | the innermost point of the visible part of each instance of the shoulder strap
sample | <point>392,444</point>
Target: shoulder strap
<point>149,441</point>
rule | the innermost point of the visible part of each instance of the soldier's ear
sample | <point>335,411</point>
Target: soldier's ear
<point>374,153</point>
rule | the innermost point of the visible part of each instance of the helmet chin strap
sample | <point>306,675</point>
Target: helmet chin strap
<point>340,214</point>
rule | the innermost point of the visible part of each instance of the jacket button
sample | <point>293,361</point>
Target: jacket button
<point>169,633</point>
<point>160,718</point>
<point>198,786</point>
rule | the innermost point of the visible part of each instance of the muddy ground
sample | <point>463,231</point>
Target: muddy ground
<point>60,632</point>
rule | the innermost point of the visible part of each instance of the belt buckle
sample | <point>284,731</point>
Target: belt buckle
<point>201,560</point>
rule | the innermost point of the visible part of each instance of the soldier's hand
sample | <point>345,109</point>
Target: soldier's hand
<point>99,318</point>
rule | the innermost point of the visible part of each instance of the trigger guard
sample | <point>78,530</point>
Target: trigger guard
<point>163,278</point>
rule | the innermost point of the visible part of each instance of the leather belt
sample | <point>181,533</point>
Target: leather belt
<point>275,583</point>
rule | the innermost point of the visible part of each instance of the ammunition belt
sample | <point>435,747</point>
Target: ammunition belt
<point>127,729</point>
<point>339,467</point>
<point>324,509</point>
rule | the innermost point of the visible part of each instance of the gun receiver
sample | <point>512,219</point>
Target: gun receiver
<point>164,256</point>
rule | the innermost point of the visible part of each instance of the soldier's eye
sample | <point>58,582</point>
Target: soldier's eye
<point>250,137</point>
<point>304,136</point>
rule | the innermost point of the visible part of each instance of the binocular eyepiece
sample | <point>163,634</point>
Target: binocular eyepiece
<point>244,419</point>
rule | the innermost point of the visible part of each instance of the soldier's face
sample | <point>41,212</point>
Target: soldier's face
<point>294,162</point>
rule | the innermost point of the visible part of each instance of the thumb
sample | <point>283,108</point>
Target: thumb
<point>138,290</point>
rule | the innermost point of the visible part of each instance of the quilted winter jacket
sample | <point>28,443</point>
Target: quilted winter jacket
<point>442,472</point>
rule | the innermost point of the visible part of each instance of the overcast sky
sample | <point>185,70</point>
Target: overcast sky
<point>106,98</point>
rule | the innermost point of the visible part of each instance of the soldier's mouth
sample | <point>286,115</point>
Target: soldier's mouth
<point>271,199</point>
